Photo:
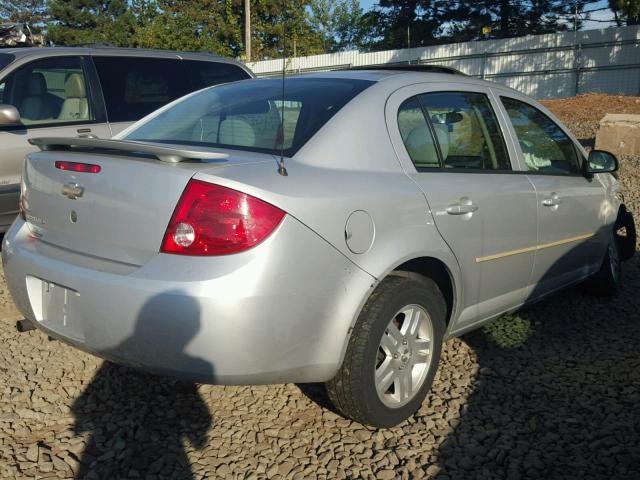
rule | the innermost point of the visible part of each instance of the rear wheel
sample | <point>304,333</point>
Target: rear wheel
<point>393,352</point>
<point>608,280</point>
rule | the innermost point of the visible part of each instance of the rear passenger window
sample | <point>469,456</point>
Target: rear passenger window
<point>134,87</point>
<point>416,135</point>
<point>467,132</point>
<point>206,74</point>
<point>545,147</point>
<point>452,130</point>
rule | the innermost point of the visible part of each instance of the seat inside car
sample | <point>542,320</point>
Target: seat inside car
<point>36,104</point>
<point>238,132</point>
<point>421,147</point>
<point>76,105</point>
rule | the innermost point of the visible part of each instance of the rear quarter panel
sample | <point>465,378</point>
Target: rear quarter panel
<point>350,165</point>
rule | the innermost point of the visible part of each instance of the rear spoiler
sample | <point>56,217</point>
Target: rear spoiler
<point>164,153</point>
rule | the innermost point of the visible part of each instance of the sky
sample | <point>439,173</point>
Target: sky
<point>588,25</point>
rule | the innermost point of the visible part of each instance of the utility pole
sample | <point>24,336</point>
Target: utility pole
<point>247,30</point>
<point>409,42</point>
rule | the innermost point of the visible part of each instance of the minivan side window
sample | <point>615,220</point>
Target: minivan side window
<point>134,87</point>
<point>49,91</point>
<point>453,130</point>
<point>206,74</point>
<point>545,147</point>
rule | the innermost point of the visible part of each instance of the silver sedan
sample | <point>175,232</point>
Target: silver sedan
<point>335,229</point>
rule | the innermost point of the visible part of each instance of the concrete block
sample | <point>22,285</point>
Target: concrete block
<point>619,134</point>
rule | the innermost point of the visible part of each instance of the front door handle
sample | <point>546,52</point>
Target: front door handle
<point>464,206</point>
<point>552,201</point>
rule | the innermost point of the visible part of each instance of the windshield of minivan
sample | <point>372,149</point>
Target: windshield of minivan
<point>5,59</point>
<point>252,115</point>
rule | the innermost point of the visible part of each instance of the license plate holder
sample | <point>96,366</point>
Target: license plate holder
<point>56,307</point>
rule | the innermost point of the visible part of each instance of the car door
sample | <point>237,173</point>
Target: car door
<point>571,239</point>
<point>55,97</point>
<point>451,144</point>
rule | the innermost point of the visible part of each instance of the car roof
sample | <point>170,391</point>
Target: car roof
<point>114,51</point>
<point>399,76</point>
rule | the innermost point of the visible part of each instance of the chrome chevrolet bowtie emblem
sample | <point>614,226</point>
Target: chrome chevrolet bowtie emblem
<point>72,191</point>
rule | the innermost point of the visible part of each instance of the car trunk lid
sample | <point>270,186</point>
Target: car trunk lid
<point>119,213</point>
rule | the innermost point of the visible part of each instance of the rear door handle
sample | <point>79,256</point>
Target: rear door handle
<point>464,206</point>
<point>552,201</point>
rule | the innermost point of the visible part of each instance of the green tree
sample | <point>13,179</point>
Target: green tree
<point>402,23</point>
<point>278,21</point>
<point>626,11</point>
<point>398,23</point>
<point>193,25</point>
<point>507,18</point>
<point>216,26</point>
<point>74,22</point>
<point>339,23</point>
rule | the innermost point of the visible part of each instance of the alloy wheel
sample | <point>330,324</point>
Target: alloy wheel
<point>404,356</point>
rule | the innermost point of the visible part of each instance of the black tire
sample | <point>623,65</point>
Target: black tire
<point>608,280</point>
<point>353,390</point>
<point>627,242</point>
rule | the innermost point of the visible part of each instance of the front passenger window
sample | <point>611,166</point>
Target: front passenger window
<point>49,91</point>
<point>545,147</point>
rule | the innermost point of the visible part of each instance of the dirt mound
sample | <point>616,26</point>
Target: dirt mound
<point>583,113</point>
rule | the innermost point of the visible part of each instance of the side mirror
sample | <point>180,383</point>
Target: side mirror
<point>600,161</point>
<point>9,115</point>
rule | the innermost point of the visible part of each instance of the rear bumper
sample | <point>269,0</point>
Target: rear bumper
<point>277,313</point>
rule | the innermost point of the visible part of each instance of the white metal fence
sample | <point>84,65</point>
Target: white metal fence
<point>543,66</point>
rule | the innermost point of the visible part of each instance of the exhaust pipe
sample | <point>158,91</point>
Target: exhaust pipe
<point>24,325</point>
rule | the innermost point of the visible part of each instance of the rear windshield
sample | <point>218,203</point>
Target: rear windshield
<point>252,115</point>
<point>5,59</point>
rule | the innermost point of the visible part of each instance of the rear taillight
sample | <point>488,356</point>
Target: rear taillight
<point>78,167</point>
<point>214,220</point>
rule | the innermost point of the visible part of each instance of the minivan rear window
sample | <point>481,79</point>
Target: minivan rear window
<point>253,115</point>
<point>6,59</point>
<point>207,74</point>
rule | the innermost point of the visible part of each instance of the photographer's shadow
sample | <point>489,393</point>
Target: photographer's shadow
<point>138,421</point>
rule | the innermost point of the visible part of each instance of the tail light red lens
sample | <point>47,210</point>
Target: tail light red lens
<point>78,167</point>
<point>214,220</point>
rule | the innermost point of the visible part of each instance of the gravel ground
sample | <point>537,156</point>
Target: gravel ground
<point>558,399</point>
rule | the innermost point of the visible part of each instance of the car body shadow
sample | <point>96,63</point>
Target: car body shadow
<point>137,421</point>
